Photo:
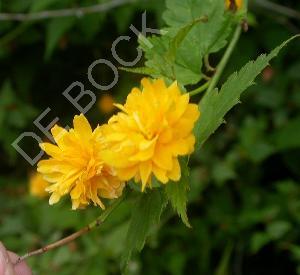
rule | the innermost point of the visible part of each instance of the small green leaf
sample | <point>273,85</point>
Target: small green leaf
<point>179,37</point>
<point>146,213</point>
<point>177,193</point>
<point>216,104</point>
<point>277,229</point>
<point>55,30</point>
<point>222,172</point>
<point>258,241</point>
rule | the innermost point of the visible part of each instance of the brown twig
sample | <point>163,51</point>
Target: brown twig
<point>54,245</point>
<point>278,8</point>
<point>79,12</point>
<point>75,235</point>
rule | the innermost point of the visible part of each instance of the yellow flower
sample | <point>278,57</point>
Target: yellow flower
<point>37,185</point>
<point>76,166</point>
<point>154,128</point>
<point>234,4</point>
<point>106,104</point>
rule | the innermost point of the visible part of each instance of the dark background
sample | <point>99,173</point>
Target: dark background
<point>245,182</point>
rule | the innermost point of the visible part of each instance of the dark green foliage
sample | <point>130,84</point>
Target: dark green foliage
<point>243,186</point>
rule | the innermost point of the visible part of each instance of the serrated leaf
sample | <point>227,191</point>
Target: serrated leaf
<point>203,38</point>
<point>179,37</point>
<point>139,70</point>
<point>178,54</point>
<point>177,193</point>
<point>216,104</point>
<point>160,53</point>
<point>146,213</point>
<point>155,49</point>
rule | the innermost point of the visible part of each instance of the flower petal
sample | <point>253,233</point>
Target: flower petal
<point>163,157</point>
<point>82,127</point>
<point>51,150</point>
<point>175,173</point>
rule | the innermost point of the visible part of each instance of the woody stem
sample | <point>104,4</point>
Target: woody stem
<point>96,223</point>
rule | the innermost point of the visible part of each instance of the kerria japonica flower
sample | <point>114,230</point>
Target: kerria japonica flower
<point>76,166</point>
<point>153,128</point>
<point>37,185</point>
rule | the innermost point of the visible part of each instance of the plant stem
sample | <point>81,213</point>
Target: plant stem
<point>224,60</point>
<point>79,12</point>
<point>199,89</point>
<point>207,64</point>
<point>97,222</point>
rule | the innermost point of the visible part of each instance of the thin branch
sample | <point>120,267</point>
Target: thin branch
<point>79,12</point>
<point>209,68</point>
<point>54,245</point>
<point>199,89</point>
<point>75,235</point>
<point>278,8</point>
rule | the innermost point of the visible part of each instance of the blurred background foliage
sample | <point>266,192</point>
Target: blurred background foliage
<point>244,204</point>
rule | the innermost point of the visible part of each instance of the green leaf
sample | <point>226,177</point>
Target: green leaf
<point>155,49</point>
<point>253,139</point>
<point>177,193</point>
<point>55,30</point>
<point>139,70</point>
<point>222,172</point>
<point>90,25</point>
<point>146,213</point>
<point>42,5</point>
<point>178,53</point>
<point>179,37</point>
<point>258,241</point>
<point>278,229</point>
<point>288,136</point>
<point>216,104</point>
<point>160,53</point>
<point>203,38</point>
<point>180,13</point>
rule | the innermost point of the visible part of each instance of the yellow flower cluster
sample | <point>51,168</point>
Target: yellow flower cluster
<point>153,128</point>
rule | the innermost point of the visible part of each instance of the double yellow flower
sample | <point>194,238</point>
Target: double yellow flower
<point>143,140</point>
